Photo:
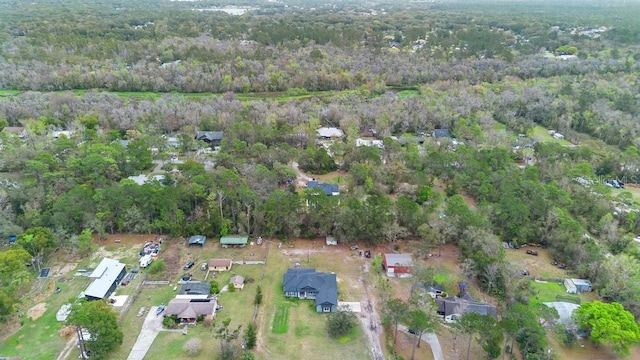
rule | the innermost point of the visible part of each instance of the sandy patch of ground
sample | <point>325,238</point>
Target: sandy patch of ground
<point>64,269</point>
<point>37,311</point>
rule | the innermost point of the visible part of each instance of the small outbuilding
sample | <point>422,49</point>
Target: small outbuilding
<point>397,264</point>
<point>237,282</point>
<point>575,286</point>
<point>220,264</point>
<point>197,240</point>
<point>234,240</point>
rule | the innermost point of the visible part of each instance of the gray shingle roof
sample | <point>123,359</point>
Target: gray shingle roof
<point>195,288</point>
<point>328,189</point>
<point>326,285</point>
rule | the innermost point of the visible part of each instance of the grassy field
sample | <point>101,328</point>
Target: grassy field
<point>244,97</point>
<point>541,134</point>
<point>549,292</point>
<point>538,266</point>
<point>42,333</point>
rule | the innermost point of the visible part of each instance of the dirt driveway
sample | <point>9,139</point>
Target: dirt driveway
<point>370,318</point>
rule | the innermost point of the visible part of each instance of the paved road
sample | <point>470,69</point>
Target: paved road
<point>431,339</point>
<point>150,328</point>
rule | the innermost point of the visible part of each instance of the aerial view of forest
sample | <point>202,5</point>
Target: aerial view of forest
<point>294,179</point>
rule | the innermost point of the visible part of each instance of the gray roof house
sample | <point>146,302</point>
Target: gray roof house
<point>329,189</point>
<point>455,305</point>
<point>105,279</point>
<point>441,133</point>
<point>329,133</point>
<point>304,283</point>
<point>188,310</point>
<point>194,290</point>
<point>197,240</point>
<point>213,138</point>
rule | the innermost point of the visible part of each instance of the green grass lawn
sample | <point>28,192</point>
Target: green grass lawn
<point>281,319</point>
<point>541,134</point>
<point>39,339</point>
<point>548,292</point>
<point>405,94</point>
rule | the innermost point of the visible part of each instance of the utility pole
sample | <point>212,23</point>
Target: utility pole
<point>81,345</point>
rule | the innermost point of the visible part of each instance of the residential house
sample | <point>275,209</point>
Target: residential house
<point>18,131</point>
<point>234,240</point>
<point>304,283</point>
<point>213,138</point>
<point>451,305</point>
<point>330,240</point>
<point>400,264</point>
<point>329,189</point>
<point>328,133</point>
<point>575,286</point>
<point>188,310</point>
<point>199,240</point>
<point>220,264</point>
<point>369,143</point>
<point>194,290</point>
<point>60,133</point>
<point>434,291</point>
<point>105,279</point>
<point>237,282</point>
<point>144,179</point>
<point>441,133</point>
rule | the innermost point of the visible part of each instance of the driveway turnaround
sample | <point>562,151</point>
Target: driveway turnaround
<point>431,339</point>
<point>150,328</point>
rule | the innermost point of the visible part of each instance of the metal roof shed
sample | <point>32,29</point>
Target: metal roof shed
<point>235,240</point>
<point>197,240</point>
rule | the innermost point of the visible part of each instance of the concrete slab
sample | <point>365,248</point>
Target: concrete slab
<point>353,306</point>
<point>565,309</point>
<point>120,300</point>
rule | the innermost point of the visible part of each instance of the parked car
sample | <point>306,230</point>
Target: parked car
<point>355,247</point>
<point>411,331</point>
<point>532,252</point>
<point>450,319</point>
<point>204,266</point>
<point>159,310</point>
<point>189,265</point>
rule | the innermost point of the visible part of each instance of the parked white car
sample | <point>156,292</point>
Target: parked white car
<point>450,319</point>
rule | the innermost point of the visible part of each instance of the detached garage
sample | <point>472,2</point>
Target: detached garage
<point>397,264</point>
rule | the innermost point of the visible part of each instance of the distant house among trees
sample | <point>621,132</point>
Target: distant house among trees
<point>451,305</point>
<point>441,133</point>
<point>213,138</point>
<point>328,133</point>
<point>329,189</point>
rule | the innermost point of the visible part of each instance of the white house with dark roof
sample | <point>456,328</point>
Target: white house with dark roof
<point>105,279</point>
